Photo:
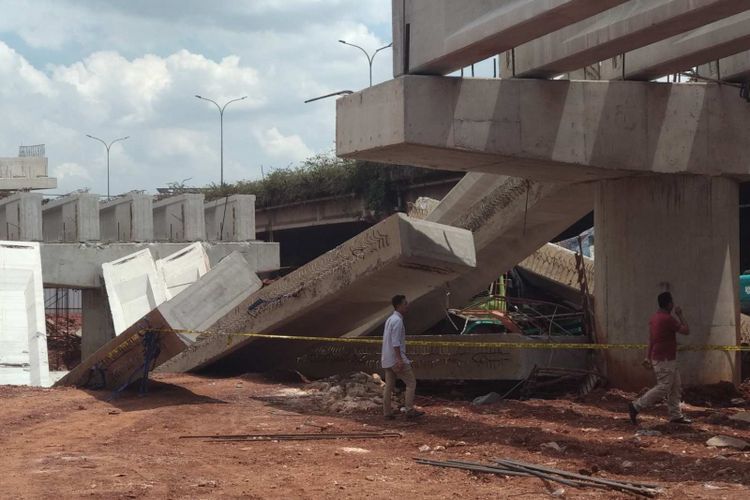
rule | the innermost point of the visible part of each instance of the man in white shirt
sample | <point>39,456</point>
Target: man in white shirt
<point>394,360</point>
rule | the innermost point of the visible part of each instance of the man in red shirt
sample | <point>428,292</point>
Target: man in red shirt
<point>662,356</point>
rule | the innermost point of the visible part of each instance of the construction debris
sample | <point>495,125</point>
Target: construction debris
<point>228,438</point>
<point>514,468</point>
<point>354,393</point>
<point>727,442</point>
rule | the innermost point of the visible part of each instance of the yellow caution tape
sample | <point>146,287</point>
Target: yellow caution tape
<point>467,344</point>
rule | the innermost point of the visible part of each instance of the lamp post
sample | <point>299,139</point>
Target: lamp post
<point>108,146</point>
<point>221,121</point>
<point>368,56</point>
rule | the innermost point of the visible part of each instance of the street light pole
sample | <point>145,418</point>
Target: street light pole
<point>221,127</point>
<point>368,56</point>
<point>108,146</point>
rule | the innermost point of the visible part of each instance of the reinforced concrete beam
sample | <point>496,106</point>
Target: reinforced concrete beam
<point>204,302</point>
<point>621,29</point>
<point>547,130</point>
<point>21,217</point>
<point>79,266</point>
<point>23,329</point>
<point>682,52</point>
<point>440,36</point>
<point>73,218</point>
<point>734,68</point>
<point>127,218</point>
<point>231,218</point>
<point>334,293</point>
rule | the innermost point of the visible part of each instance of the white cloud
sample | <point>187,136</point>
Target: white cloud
<point>278,145</point>
<point>111,68</point>
<point>66,171</point>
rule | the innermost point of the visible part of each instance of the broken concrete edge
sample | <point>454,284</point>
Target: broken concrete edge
<point>219,291</point>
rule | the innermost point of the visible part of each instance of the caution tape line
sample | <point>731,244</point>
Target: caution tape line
<point>439,343</point>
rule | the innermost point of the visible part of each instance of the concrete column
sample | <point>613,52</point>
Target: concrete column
<point>97,327</point>
<point>129,218</point>
<point>21,217</point>
<point>231,218</point>
<point>677,233</point>
<point>71,219</point>
<point>180,218</point>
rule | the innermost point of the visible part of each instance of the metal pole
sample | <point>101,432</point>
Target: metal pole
<point>108,147</point>
<point>107,172</point>
<point>221,130</point>
<point>370,59</point>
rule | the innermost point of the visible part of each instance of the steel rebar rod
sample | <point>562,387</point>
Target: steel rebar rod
<point>630,486</point>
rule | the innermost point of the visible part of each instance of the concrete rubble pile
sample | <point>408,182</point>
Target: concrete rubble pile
<point>357,392</point>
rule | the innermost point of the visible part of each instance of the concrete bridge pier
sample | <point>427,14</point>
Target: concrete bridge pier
<point>677,233</point>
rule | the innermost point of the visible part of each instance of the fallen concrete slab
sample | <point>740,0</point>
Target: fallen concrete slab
<point>134,288</point>
<point>23,329</point>
<point>566,131</point>
<point>511,218</point>
<point>553,268</point>
<point>213,296</point>
<point>183,268</point>
<point>334,293</point>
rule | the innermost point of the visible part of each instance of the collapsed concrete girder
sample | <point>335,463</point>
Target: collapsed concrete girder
<point>510,219</point>
<point>334,293</point>
<point>618,30</point>
<point>440,36</point>
<point>547,130</point>
<point>203,303</point>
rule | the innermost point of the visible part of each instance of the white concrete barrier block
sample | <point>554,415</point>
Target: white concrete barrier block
<point>134,288</point>
<point>183,268</point>
<point>23,331</point>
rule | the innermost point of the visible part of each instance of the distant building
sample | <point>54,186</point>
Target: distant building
<point>26,172</point>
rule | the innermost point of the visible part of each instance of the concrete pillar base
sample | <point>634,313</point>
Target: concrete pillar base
<point>677,233</point>
<point>97,328</point>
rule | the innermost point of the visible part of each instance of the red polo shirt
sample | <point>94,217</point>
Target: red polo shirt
<point>663,328</point>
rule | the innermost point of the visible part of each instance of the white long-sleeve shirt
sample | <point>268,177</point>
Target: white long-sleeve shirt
<point>394,335</point>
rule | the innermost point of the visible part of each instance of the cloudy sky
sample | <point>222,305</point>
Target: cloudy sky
<point>114,68</point>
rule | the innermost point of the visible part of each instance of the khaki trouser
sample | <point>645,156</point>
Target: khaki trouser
<point>407,375</point>
<point>668,386</point>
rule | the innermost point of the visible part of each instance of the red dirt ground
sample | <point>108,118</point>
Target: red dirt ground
<point>70,443</point>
